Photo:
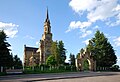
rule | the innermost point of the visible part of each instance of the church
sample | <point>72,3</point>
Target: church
<point>36,56</point>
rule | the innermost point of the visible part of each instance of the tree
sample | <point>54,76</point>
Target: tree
<point>81,51</point>
<point>78,55</point>
<point>17,62</point>
<point>72,59</point>
<point>5,57</point>
<point>115,68</point>
<point>51,60</point>
<point>11,63</point>
<point>54,51</point>
<point>102,51</point>
<point>61,52</point>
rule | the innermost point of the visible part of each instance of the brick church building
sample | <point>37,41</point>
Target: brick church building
<point>37,56</point>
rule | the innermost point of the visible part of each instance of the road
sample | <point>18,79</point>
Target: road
<point>64,77</point>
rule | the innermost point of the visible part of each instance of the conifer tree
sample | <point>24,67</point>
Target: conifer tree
<point>5,57</point>
<point>72,59</point>
<point>102,51</point>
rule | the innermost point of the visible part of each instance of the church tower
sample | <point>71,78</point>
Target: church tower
<point>46,41</point>
<point>35,56</point>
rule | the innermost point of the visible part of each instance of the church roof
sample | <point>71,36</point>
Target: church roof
<point>31,49</point>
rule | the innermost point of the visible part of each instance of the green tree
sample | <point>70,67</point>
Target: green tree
<point>86,65</point>
<point>102,51</point>
<point>78,55</point>
<point>51,61</point>
<point>61,52</point>
<point>81,51</point>
<point>5,57</point>
<point>54,51</point>
<point>115,68</point>
<point>11,63</point>
<point>72,59</point>
<point>17,62</point>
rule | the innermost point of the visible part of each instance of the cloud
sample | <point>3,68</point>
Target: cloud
<point>9,28</point>
<point>79,6</point>
<point>117,41</point>
<point>78,24</point>
<point>95,10</point>
<point>37,43</point>
<point>29,37</point>
<point>118,58</point>
<point>96,27</point>
<point>86,41</point>
<point>86,33</point>
<point>82,26</point>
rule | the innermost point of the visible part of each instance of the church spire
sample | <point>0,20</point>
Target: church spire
<point>47,17</point>
<point>47,14</point>
<point>47,27</point>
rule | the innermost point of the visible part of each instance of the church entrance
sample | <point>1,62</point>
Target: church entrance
<point>85,62</point>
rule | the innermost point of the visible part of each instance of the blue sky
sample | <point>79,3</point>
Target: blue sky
<point>73,21</point>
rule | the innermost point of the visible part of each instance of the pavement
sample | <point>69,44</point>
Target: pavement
<point>58,77</point>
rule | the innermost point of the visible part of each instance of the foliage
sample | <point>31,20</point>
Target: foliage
<point>72,59</point>
<point>54,51</point>
<point>86,65</point>
<point>61,69</point>
<point>78,55</point>
<point>5,57</point>
<point>115,68</point>
<point>102,51</point>
<point>51,61</point>
<point>17,63</point>
<point>59,52</point>
<point>81,51</point>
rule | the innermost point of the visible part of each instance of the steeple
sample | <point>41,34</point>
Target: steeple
<point>47,14</point>
<point>47,27</point>
<point>47,17</point>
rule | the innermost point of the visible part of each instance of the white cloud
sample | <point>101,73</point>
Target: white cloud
<point>9,28</point>
<point>118,58</point>
<point>78,24</point>
<point>30,37</point>
<point>117,41</point>
<point>86,33</point>
<point>96,10</point>
<point>82,5</point>
<point>10,48</point>
<point>86,41</point>
<point>96,27</point>
<point>37,43</point>
<point>82,26</point>
<point>117,22</point>
<point>103,10</point>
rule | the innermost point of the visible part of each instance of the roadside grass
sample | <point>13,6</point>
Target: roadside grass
<point>53,70</point>
<point>2,73</point>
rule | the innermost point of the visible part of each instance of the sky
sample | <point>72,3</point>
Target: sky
<point>72,21</point>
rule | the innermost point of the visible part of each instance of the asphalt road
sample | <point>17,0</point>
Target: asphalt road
<point>64,77</point>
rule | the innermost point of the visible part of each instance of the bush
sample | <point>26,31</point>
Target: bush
<point>115,68</point>
<point>46,69</point>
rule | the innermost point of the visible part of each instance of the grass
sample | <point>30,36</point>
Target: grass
<point>38,71</point>
<point>2,73</point>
